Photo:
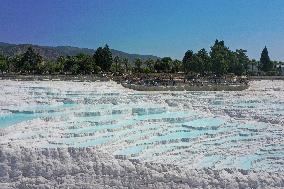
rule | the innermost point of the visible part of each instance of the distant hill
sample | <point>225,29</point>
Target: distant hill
<point>52,53</point>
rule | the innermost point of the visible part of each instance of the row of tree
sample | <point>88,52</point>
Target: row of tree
<point>220,60</point>
<point>32,62</point>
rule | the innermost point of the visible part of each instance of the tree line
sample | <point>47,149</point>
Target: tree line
<point>219,61</point>
<point>31,62</point>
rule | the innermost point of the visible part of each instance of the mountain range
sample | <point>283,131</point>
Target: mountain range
<point>52,53</point>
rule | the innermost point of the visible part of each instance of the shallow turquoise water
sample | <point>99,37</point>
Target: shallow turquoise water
<point>132,150</point>
<point>14,118</point>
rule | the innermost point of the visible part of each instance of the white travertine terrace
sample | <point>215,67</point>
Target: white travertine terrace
<point>98,135</point>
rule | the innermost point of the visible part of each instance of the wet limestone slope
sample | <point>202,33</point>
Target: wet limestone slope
<point>99,135</point>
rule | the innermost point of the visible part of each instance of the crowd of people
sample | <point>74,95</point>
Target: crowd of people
<point>181,80</point>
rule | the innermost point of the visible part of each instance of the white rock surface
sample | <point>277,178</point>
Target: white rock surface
<point>101,135</point>
<point>89,168</point>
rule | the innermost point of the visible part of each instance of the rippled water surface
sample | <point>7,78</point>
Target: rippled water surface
<point>242,130</point>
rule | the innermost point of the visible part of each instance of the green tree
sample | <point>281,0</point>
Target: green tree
<point>243,59</point>
<point>14,63</point>
<point>117,62</point>
<point>239,62</point>
<point>196,64</point>
<point>103,58</point>
<point>138,65</point>
<point>30,61</point>
<point>75,69</point>
<point>176,66</point>
<point>86,63</point>
<point>150,65</point>
<point>3,64</point>
<point>187,61</point>
<point>205,59</point>
<point>79,64</point>
<point>166,64</point>
<point>220,58</point>
<point>157,65</point>
<point>265,63</point>
<point>125,64</point>
<point>233,66</point>
<point>200,62</point>
<point>60,62</point>
<point>49,67</point>
<point>71,65</point>
<point>163,65</point>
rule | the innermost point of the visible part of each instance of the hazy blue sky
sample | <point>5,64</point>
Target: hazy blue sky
<point>159,27</point>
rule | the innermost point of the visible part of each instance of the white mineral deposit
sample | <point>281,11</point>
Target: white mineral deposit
<point>64,134</point>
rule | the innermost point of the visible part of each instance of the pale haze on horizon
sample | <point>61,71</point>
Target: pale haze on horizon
<point>160,27</point>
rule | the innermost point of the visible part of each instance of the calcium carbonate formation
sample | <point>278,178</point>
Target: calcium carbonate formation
<point>60,134</point>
